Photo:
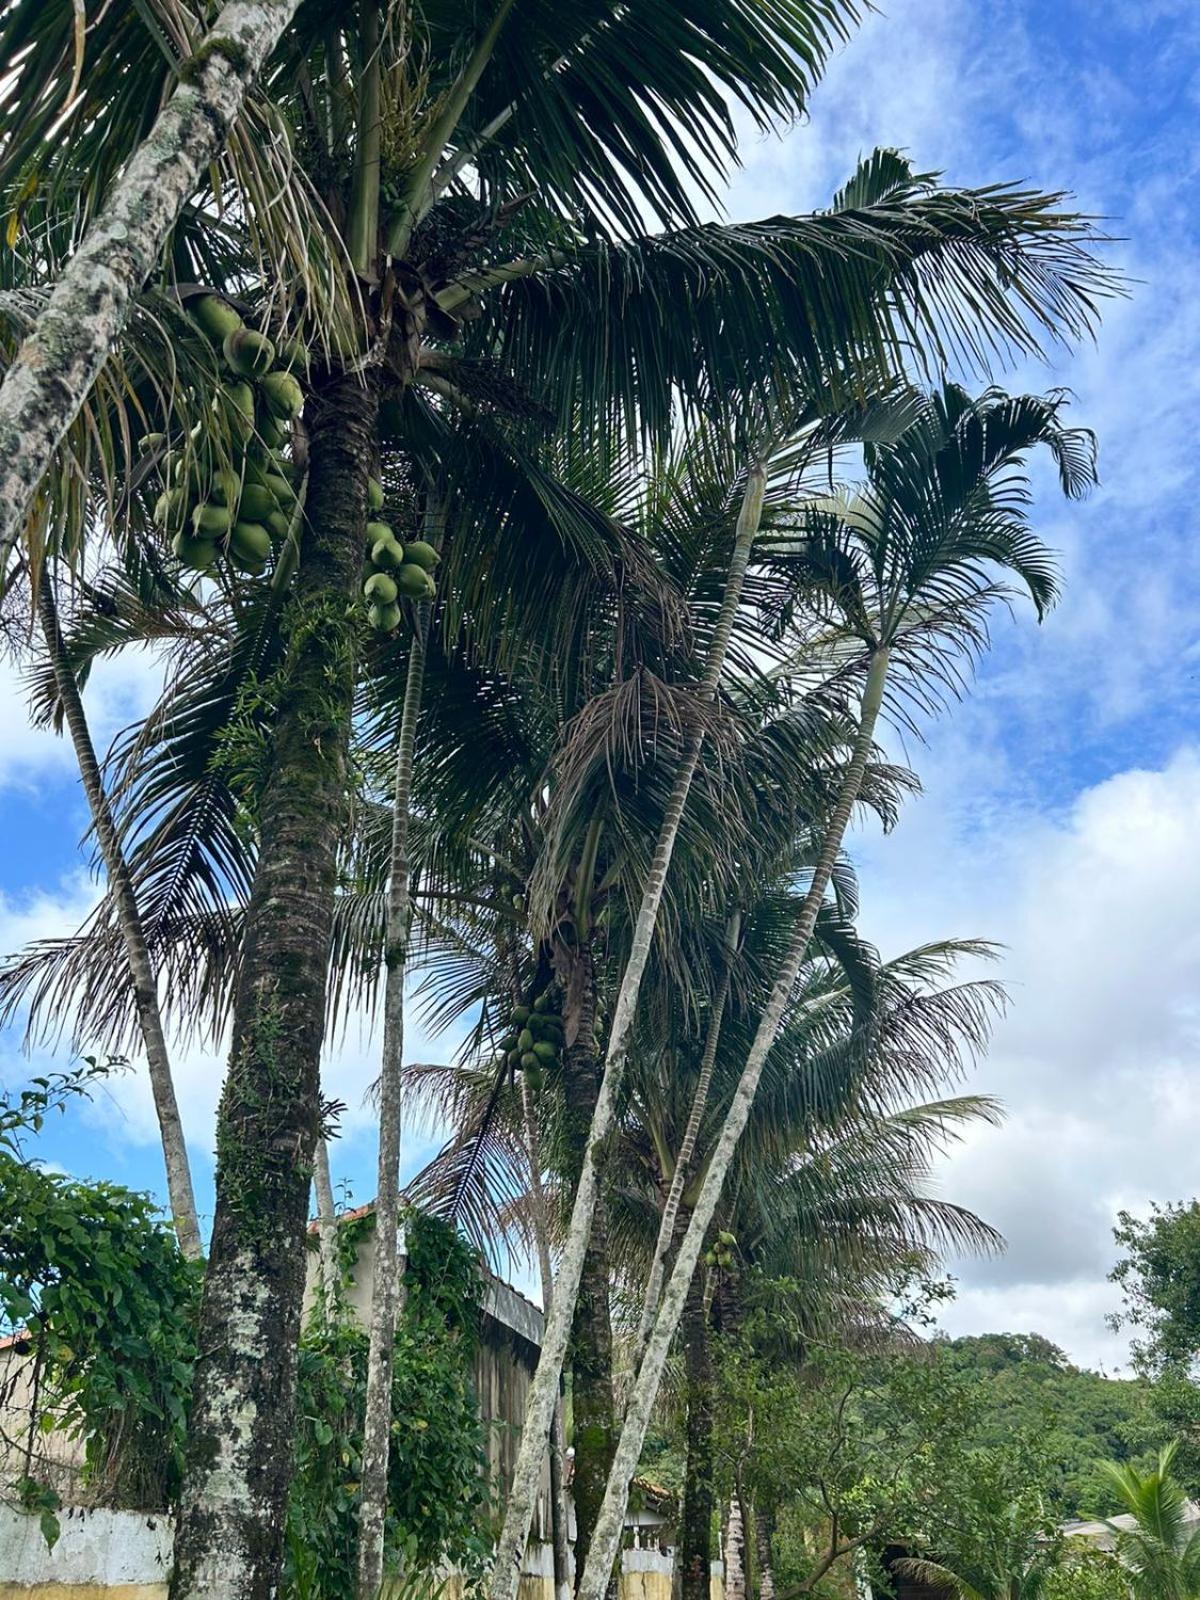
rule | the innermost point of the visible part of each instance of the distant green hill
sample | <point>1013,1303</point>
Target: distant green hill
<point>1080,1417</point>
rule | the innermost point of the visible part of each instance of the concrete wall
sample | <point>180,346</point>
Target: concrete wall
<point>100,1555</point>
<point>123,1555</point>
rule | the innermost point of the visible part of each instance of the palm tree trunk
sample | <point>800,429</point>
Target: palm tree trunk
<point>560,1529</point>
<point>695,1536</point>
<point>645,1389</point>
<point>141,971</point>
<point>53,373</point>
<point>595,1437</point>
<point>514,1534</point>
<point>766,1564</point>
<point>735,1551</point>
<point>377,1420</point>
<point>326,1226</point>
<point>687,1147</point>
<point>239,1455</point>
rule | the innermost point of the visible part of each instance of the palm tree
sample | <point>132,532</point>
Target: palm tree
<point>141,971</point>
<point>903,572</point>
<point>1161,1551</point>
<point>402,247</point>
<point>830,1192</point>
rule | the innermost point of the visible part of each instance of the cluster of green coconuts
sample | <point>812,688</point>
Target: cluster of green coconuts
<point>395,569</point>
<point>721,1253</point>
<point>242,504</point>
<point>536,1037</point>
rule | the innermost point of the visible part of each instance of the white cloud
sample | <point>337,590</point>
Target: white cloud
<point>119,690</point>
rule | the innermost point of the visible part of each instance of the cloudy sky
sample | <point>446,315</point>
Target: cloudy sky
<point>1061,804</point>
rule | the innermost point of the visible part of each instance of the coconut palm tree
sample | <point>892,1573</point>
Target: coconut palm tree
<point>830,1192</point>
<point>408,249</point>
<point>1161,1551</point>
<point>902,576</point>
<point>180,1194</point>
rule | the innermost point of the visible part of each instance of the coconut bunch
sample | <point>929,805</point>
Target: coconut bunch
<point>536,1037</point>
<point>395,571</point>
<point>229,490</point>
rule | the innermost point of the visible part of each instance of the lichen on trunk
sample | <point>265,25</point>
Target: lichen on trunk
<point>239,1454</point>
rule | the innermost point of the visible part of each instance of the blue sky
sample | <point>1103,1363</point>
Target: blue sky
<point>1061,803</point>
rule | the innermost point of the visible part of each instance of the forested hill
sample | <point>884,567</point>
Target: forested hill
<point>1080,1417</point>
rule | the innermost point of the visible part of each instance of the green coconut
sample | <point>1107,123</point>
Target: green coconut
<point>374,494</point>
<point>542,1003</point>
<point>380,588</point>
<point>545,1051</point>
<point>257,502</point>
<point>192,552</point>
<point>529,1061</point>
<point>278,525</point>
<point>214,316</point>
<point>211,519</point>
<point>226,486</point>
<point>525,1040</point>
<point>283,395</point>
<point>387,553</point>
<point>430,591</point>
<point>379,530</point>
<point>252,566</point>
<point>292,352</point>
<point>385,618</point>
<point>520,1015</point>
<point>272,432</point>
<point>249,354</point>
<point>422,555</point>
<point>410,580</point>
<point>239,398</point>
<point>280,488</point>
<point>171,507</point>
<point>508,1043</point>
<point>250,541</point>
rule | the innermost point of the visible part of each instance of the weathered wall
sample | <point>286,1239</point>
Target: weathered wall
<point>123,1555</point>
<point>100,1555</point>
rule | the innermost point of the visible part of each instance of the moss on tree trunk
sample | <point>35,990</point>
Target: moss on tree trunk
<point>239,1462</point>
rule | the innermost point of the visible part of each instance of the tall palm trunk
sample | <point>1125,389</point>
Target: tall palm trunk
<point>735,1550</point>
<point>510,1551</point>
<point>695,1534</point>
<point>239,1457</point>
<point>141,971</point>
<point>645,1389</point>
<point>592,1408</point>
<point>559,1524</point>
<point>326,1225</point>
<point>687,1146</point>
<point>54,371</point>
<point>377,1420</point>
<point>766,1563</point>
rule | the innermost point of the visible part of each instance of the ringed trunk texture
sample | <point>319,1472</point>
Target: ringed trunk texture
<point>543,1393</point>
<point>377,1418</point>
<point>645,1389</point>
<point>687,1146</point>
<point>180,1195</point>
<point>699,1503</point>
<point>54,370</point>
<point>229,1541</point>
<point>559,1521</point>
